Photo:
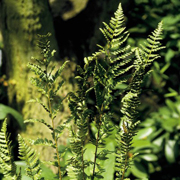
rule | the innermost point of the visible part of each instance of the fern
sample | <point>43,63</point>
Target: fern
<point>106,68</point>
<point>46,80</point>
<point>6,158</point>
<point>80,113</point>
<point>112,65</point>
<point>144,57</point>
<point>29,155</point>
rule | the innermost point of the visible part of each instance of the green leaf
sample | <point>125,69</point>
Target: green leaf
<point>169,124</point>
<point>164,68</point>
<point>139,170</point>
<point>144,133</point>
<point>169,55</point>
<point>171,150</point>
<point>142,143</point>
<point>5,110</point>
<point>171,105</point>
<point>47,173</point>
<point>176,2</point>
<point>149,157</point>
<point>172,93</point>
<point>159,141</point>
<point>109,163</point>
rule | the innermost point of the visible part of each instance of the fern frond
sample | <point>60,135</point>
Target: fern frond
<point>38,71</point>
<point>59,129</point>
<point>144,57</point>
<point>81,115</point>
<point>124,158</point>
<point>43,142</point>
<point>41,121</point>
<point>40,102</point>
<point>6,158</point>
<point>152,45</point>
<point>114,28</point>
<point>29,155</point>
<point>60,70</point>
<point>59,86</point>
<point>77,142</point>
<point>48,83</point>
<point>118,55</point>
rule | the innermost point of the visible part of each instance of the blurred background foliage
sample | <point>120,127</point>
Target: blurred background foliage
<point>76,26</point>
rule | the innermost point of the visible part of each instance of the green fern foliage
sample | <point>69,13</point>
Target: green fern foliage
<point>48,83</point>
<point>6,158</point>
<point>91,106</point>
<point>118,53</point>
<point>101,73</point>
<point>144,55</point>
<point>78,135</point>
<point>147,52</point>
<point>28,154</point>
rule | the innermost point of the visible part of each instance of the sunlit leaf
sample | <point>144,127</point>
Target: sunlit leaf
<point>144,133</point>
<point>149,157</point>
<point>171,150</point>
<point>5,110</point>
<point>139,170</point>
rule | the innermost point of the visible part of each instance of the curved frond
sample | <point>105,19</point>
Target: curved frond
<point>41,121</point>
<point>148,50</point>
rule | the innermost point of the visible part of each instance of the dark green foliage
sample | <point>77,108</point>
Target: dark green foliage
<point>144,57</point>
<point>108,67</point>
<point>157,143</point>
<point>105,69</point>
<point>111,66</point>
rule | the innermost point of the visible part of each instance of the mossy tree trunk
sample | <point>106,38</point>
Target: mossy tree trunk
<point>21,21</point>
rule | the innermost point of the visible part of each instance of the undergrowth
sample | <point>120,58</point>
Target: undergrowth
<point>111,66</point>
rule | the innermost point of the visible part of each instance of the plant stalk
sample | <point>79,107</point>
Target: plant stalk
<point>55,139</point>
<point>95,154</point>
<point>56,144</point>
<point>122,178</point>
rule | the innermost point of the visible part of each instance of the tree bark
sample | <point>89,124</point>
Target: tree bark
<point>21,21</point>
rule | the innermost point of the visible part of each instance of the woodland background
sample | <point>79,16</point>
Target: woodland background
<point>74,25</point>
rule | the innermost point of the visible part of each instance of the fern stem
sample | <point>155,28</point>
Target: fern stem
<point>55,139</point>
<point>95,154</point>
<point>150,51</point>
<point>124,170</point>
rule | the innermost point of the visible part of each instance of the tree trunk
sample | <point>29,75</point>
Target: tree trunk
<point>21,21</point>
